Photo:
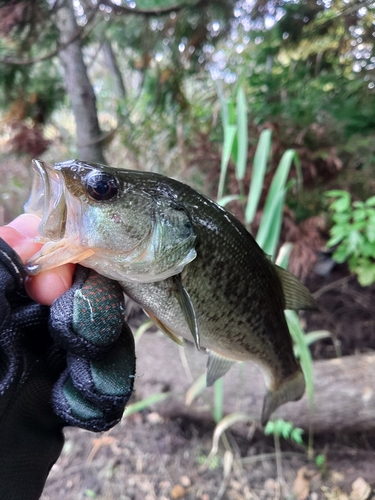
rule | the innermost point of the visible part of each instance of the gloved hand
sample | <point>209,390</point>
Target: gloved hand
<point>69,364</point>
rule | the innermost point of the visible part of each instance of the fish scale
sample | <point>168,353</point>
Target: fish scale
<point>188,262</point>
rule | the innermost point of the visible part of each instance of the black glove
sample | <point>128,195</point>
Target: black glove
<point>71,364</point>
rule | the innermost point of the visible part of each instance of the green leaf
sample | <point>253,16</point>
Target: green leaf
<point>312,337</point>
<point>286,429</point>
<point>242,138</point>
<point>341,204</point>
<point>259,169</point>
<point>198,386</point>
<point>298,336</point>
<point>341,254</point>
<point>296,435</point>
<point>358,204</point>
<point>229,134</point>
<point>269,428</point>
<point>359,215</point>
<point>370,202</point>
<point>334,240</point>
<point>146,403</point>
<point>227,199</point>
<point>354,240</point>
<point>334,193</point>
<point>359,225</point>
<point>370,232</point>
<point>218,400</point>
<point>366,275</point>
<point>341,218</point>
<point>368,249</point>
<point>270,226</point>
<point>338,233</point>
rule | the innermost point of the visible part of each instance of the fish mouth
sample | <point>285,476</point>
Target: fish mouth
<point>47,201</point>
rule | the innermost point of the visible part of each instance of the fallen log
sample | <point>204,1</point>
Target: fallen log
<point>344,387</point>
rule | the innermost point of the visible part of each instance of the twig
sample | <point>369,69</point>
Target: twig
<point>73,38</point>
<point>124,9</point>
<point>328,287</point>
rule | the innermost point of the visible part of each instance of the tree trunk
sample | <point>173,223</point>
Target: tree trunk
<point>344,388</point>
<point>79,88</point>
<point>111,63</point>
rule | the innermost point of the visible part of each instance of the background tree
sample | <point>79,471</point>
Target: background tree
<point>307,70</point>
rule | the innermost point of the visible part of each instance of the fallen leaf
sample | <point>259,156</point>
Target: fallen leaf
<point>361,490</point>
<point>301,486</point>
<point>178,491</point>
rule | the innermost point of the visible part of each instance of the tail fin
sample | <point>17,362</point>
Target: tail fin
<point>291,390</point>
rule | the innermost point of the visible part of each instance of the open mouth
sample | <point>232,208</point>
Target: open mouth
<point>47,200</point>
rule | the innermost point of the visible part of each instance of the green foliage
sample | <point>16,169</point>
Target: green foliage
<point>235,123</point>
<point>143,404</point>
<point>212,464</point>
<point>284,429</point>
<point>321,463</point>
<point>353,232</point>
<point>90,494</point>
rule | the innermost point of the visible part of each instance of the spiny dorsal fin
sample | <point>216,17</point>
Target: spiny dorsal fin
<point>297,296</point>
<point>188,310</point>
<point>164,328</point>
<point>217,366</point>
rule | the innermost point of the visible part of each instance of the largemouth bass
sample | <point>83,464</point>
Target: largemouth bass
<point>189,263</point>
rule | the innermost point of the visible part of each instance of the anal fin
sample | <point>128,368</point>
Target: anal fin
<point>217,366</point>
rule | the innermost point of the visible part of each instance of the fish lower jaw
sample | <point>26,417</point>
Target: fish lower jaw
<point>54,254</point>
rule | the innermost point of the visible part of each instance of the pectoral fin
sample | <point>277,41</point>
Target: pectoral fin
<point>164,329</point>
<point>217,366</point>
<point>188,310</point>
<point>297,296</point>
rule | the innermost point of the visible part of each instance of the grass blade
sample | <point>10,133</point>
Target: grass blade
<point>227,199</point>
<point>298,336</point>
<point>218,400</point>
<point>195,389</point>
<point>220,428</point>
<point>270,226</point>
<point>242,135</point>
<point>229,135</point>
<point>146,403</point>
<point>259,169</point>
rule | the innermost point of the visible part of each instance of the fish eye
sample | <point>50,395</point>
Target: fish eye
<point>101,186</point>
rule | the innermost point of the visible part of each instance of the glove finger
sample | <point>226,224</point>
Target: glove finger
<point>88,318</point>
<point>93,394</point>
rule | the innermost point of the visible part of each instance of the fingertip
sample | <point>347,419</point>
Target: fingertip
<point>26,224</point>
<point>47,286</point>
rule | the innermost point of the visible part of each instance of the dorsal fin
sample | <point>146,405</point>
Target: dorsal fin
<point>297,296</point>
<point>217,366</point>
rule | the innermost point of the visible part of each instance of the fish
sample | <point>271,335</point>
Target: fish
<point>189,263</point>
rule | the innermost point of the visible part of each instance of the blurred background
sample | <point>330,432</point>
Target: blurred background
<point>138,85</point>
<point>209,92</point>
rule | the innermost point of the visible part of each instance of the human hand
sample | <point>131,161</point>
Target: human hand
<point>46,286</point>
<point>69,364</point>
